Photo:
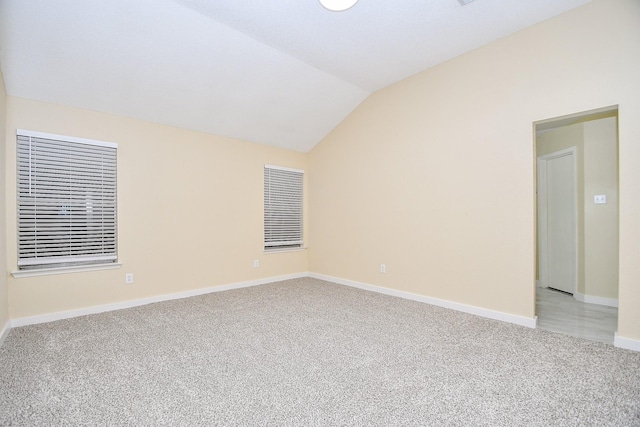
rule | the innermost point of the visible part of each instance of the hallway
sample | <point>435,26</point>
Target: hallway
<point>559,312</point>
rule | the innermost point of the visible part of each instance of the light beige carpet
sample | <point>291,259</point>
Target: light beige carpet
<point>307,352</point>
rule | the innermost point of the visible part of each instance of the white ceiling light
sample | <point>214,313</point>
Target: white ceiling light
<point>338,5</point>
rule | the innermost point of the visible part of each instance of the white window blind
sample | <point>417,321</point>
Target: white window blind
<point>282,207</point>
<point>66,201</point>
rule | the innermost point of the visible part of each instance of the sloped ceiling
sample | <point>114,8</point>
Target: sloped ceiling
<point>282,73</point>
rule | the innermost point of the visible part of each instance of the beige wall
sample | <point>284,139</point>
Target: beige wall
<point>560,139</point>
<point>189,211</point>
<point>4,305</point>
<point>601,220</point>
<point>597,173</point>
<point>434,176</point>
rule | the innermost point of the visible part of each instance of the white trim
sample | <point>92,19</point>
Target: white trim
<point>282,168</point>
<point>478,311</point>
<point>59,260</point>
<point>621,342</point>
<point>589,299</point>
<point>574,118</point>
<point>4,332</point>
<point>50,317</point>
<point>63,270</point>
<point>275,250</point>
<point>55,137</point>
<point>541,187</point>
<point>541,222</point>
<point>627,343</point>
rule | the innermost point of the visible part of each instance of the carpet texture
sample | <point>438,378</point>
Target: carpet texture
<point>307,353</point>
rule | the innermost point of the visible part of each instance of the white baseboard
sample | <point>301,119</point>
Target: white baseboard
<point>4,331</point>
<point>478,311</point>
<point>628,343</point>
<point>589,299</point>
<point>50,317</point>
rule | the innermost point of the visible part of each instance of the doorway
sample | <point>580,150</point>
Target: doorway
<point>577,224</point>
<point>557,220</point>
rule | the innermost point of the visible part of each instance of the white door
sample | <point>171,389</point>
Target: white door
<point>558,223</point>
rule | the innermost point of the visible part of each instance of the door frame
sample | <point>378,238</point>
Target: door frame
<point>541,185</point>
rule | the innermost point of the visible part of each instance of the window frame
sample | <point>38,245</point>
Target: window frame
<point>92,242</point>
<point>293,219</point>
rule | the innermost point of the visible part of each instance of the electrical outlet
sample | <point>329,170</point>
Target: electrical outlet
<point>128,278</point>
<point>383,268</point>
<point>600,199</point>
<point>256,263</point>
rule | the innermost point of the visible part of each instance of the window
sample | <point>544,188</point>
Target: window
<point>282,208</point>
<point>66,201</point>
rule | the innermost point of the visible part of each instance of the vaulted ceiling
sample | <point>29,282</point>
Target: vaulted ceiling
<point>282,73</point>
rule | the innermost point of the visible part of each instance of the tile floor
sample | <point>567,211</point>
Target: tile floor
<point>559,312</point>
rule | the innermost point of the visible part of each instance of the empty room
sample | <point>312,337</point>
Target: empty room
<point>320,212</point>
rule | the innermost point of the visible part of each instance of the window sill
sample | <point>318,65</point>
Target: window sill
<point>279,251</point>
<point>63,270</point>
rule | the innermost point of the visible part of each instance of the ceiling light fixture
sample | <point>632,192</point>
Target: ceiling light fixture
<point>338,5</point>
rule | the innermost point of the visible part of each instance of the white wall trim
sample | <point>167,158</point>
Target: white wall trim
<point>627,343</point>
<point>4,332</point>
<point>621,342</point>
<point>542,223</point>
<point>589,299</point>
<point>64,270</point>
<point>470,309</point>
<point>44,135</point>
<point>50,317</point>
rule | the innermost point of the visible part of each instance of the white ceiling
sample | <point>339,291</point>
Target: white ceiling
<point>282,73</point>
